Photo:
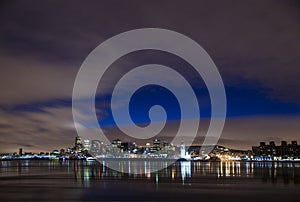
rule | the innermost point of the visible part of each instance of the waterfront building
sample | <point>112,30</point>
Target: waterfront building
<point>156,146</point>
<point>147,147</point>
<point>128,146</point>
<point>96,147</point>
<point>86,145</point>
<point>78,144</point>
<point>117,143</point>
<point>182,150</point>
<point>283,150</point>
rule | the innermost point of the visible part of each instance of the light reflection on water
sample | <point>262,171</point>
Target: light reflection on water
<point>185,172</point>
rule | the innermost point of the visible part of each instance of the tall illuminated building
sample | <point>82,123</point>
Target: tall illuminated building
<point>86,145</point>
<point>78,144</point>
<point>156,146</point>
<point>96,147</point>
<point>182,150</point>
<point>156,143</point>
<point>148,147</point>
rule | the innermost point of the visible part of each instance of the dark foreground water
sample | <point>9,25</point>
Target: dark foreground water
<point>184,181</point>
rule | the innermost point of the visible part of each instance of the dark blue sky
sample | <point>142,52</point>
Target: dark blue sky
<point>241,101</point>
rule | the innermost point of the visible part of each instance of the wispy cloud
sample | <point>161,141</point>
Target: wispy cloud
<point>37,131</point>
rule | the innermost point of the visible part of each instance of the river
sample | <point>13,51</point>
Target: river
<point>54,180</point>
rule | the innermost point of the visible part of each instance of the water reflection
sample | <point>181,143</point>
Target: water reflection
<point>273,172</point>
<point>185,168</point>
<point>185,172</point>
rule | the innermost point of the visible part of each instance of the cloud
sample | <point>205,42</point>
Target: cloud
<point>51,128</point>
<point>43,45</point>
<point>27,80</point>
<point>42,52</point>
<point>247,131</point>
<point>238,133</point>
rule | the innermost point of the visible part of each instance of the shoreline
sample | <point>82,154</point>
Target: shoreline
<point>146,159</point>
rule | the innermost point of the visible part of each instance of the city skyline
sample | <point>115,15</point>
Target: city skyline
<point>86,146</point>
<point>256,54</point>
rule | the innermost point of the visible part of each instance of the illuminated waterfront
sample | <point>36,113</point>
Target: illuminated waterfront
<point>82,180</point>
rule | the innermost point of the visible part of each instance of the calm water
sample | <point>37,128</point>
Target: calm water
<point>199,181</point>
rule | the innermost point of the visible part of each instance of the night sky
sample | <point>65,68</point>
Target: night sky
<point>254,44</point>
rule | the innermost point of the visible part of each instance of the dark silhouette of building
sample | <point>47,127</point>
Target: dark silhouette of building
<point>78,144</point>
<point>262,144</point>
<point>117,143</point>
<point>128,146</point>
<point>156,145</point>
<point>283,150</point>
<point>20,152</point>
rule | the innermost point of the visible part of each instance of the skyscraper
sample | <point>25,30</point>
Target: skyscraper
<point>86,145</point>
<point>78,144</point>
